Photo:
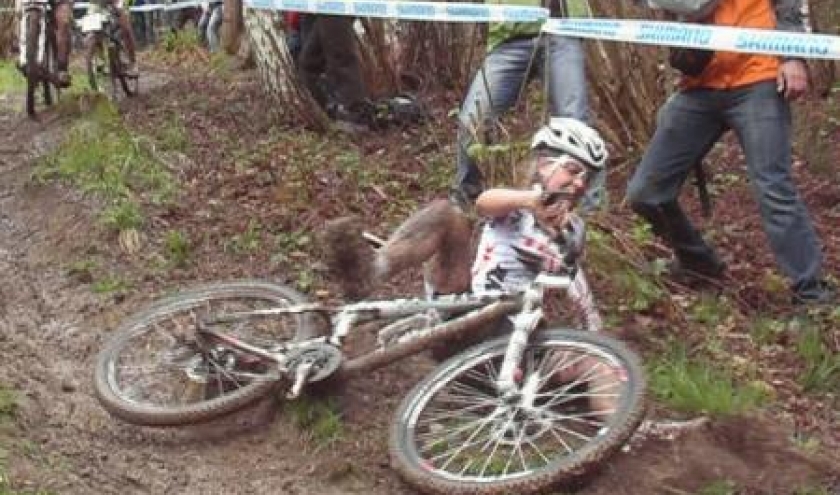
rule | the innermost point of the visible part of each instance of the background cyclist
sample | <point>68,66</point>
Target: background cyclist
<point>102,6</point>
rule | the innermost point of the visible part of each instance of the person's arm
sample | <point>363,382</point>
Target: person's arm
<point>499,202</point>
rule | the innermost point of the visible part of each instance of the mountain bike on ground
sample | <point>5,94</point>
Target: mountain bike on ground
<point>38,62</point>
<point>105,55</point>
<point>517,413</point>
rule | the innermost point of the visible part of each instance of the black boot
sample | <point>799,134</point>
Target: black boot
<point>693,255</point>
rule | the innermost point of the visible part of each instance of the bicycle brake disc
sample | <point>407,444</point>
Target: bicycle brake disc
<point>325,360</point>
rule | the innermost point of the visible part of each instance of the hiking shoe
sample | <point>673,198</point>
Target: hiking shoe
<point>348,257</point>
<point>815,292</point>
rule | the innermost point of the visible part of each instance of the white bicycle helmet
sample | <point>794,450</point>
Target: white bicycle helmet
<point>573,137</point>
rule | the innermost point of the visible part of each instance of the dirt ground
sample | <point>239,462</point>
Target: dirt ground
<point>52,325</point>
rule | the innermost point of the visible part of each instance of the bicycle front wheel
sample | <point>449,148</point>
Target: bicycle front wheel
<point>119,63</point>
<point>581,395</point>
<point>153,371</point>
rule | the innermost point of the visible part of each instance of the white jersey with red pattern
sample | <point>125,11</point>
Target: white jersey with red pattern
<point>511,252</point>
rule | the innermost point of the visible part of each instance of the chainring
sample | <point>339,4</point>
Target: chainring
<point>325,359</point>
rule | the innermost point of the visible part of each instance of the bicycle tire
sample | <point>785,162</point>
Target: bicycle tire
<point>33,69</point>
<point>122,401</point>
<point>51,62</point>
<point>93,61</point>
<point>422,473</point>
<point>116,54</point>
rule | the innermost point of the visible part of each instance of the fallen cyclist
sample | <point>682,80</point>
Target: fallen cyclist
<point>526,231</point>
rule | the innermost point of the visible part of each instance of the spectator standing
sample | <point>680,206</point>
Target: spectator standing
<point>749,94</point>
<point>329,68</point>
<point>516,51</point>
<point>210,23</point>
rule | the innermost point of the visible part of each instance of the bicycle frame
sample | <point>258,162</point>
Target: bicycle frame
<point>414,326</point>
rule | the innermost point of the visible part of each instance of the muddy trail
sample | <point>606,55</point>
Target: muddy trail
<point>52,324</point>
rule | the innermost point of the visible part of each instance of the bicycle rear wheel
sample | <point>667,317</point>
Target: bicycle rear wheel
<point>33,68</point>
<point>581,397</point>
<point>153,371</point>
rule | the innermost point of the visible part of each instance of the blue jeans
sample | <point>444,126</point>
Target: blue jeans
<point>208,26</point>
<point>498,83</point>
<point>688,126</point>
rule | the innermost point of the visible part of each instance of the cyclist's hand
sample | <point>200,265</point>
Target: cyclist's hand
<point>552,211</point>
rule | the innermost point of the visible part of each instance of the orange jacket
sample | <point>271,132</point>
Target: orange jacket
<point>729,70</point>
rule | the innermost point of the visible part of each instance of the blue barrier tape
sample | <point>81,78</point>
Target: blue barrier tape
<point>722,38</point>
<point>414,11</point>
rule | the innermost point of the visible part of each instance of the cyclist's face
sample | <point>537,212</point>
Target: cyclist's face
<point>563,173</point>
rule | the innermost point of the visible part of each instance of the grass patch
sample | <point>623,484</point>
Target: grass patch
<point>110,285</point>
<point>8,404</point>
<point>822,366</point>
<point>102,158</point>
<point>181,41</point>
<point>697,386</point>
<point>172,135</point>
<point>177,247</point>
<point>719,487</point>
<point>11,80</point>
<point>246,242</point>
<point>320,418</point>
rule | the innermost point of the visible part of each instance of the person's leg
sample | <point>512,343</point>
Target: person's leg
<point>63,18</point>
<point>213,28</point>
<point>440,231</point>
<point>343,71</point>
<point>762,120</point>
<point>566,77</point>
<point>311,60</point>
<point>128,42</point>
<point>201,27</point>
<point>494,89</point>
<point>688,126</point>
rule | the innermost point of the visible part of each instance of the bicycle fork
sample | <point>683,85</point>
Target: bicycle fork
<point>524,324</point>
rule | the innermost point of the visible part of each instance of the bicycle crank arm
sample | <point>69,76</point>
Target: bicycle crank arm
<point>301,374</point>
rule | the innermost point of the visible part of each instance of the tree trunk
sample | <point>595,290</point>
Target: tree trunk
<point>277,70</point>
<point>231,26</point>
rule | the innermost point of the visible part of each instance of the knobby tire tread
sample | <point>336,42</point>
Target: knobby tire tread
<point>148,415</point>
<point>543,480</point>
